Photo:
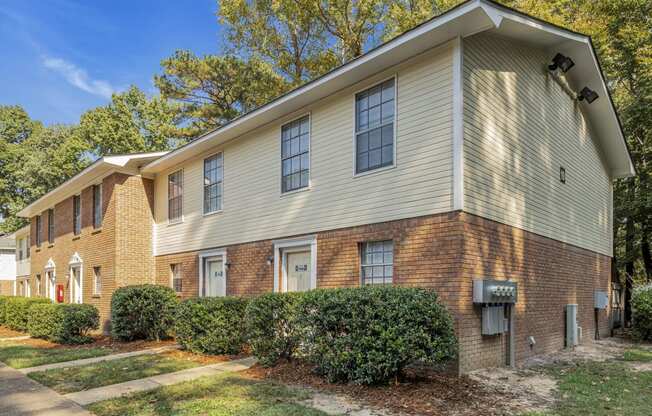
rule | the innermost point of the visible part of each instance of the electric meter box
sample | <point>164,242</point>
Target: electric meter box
<point>601,299</point>
<point>486,291</point>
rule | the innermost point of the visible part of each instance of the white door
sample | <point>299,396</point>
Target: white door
<point>52,286</point>
<point>297,271</point>
<point>214,279</point>
<point>76,284</point>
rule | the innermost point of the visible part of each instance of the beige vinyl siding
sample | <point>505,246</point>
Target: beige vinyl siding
<point>519,128</point>
<point>253,207</point>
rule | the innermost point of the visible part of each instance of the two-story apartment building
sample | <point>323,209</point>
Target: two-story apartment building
<point>7,264</point>
<point>453,153</point>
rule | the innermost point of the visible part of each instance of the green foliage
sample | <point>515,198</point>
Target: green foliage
<point>211,325</point>
<point>642,312</point>
<point>3,301</point>
<point>130,123</point>
<point>369,335</point>
<point>270,320</point>
<point>142,312</point>
<point>17,311</point>
<point>63,323</point>
<point>212,89</point>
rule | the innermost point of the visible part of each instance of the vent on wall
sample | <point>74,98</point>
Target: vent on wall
<point>562,174</point>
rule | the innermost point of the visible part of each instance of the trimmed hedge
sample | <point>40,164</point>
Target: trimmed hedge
<point>368,335</point>
<point>17,311</point>
<point>211,325</point>
<point>642,312</point>
<point>3,300</point>
<point>63,323</point>
<point>142,312</point>
<point>271,329</point>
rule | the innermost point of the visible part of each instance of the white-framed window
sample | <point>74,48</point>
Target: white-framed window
<point>22,251</point>
<point>76,215</point>
<point>39,230</point>
<point>175,196</point>
<point>175,277</point>
<point>50,225</point>
<point>375,110</point>
<point>377,260</point>
<point>213,179</point>
<point>97,280</point>
<point>295,154</point>
<point>97,206</point>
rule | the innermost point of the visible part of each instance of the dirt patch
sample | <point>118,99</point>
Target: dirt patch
<point>434,394</point>
<point>98,342</point>
<point>10,333</point>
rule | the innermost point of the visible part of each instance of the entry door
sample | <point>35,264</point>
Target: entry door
<point>298,271</point>
<point>76,285</point>
<point>52,287</point>
<point>214,279</point>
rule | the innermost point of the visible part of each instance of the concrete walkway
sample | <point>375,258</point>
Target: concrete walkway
<point>86,397</point>
<point>21,396</point>
<point>93,360</point>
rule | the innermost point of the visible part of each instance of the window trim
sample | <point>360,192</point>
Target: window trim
<point>180,219</point>
<point>361,248</point>
<point>203,187</point>
<point>101,205</point>
<point>176,266</point>
<point>355,132</point>
<point>280,137</point>
<point>74,225</point>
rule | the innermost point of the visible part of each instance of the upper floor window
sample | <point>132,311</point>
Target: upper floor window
<point>51,225</point>
<point>22,251</point>
<point>76,214</point>
<point>374,127</point>
<point>295,154</point>
<point>213,176</point>
<point>97,206</point>
<point>175,196</point>
<point>39,230</point>
<point>377,262</point>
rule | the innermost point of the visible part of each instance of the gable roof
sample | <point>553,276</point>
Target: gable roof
<point>469,18</point>
<point>94,173</point>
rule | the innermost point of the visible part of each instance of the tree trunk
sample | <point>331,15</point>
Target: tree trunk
<point>629,269</point>
<point>646,254</point>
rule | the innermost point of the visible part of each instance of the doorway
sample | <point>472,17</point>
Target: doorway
<point>214,277</point>
<point>50,281</point>
<point>75,284</point>
<point>297,264</point>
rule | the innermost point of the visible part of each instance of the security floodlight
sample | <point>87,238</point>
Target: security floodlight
<point>587,94</point>
<point>562,62</point>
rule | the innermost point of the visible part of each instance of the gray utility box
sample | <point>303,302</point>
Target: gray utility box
<point>601,299</point>
<point>494,291</point>
<point>493,320</point>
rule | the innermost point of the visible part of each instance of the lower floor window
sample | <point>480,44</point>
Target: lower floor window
<point>377,262</point>
<point>175,272</point>
<point>97,279</point>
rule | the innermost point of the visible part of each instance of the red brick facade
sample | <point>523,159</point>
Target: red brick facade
<point>445,252</point>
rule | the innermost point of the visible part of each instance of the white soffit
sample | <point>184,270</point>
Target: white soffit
<point>91,175</point>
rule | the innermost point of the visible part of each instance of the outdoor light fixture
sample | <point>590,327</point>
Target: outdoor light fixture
<point>587,94</point>
<point>562,62</point>
<point>270,260</point>
<point>227,265</point>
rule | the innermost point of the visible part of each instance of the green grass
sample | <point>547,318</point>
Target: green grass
<point>24,356</point>
<point>601,389</point>
<point>68,380</point>
<point>638,355</point>
<point>222,395</point>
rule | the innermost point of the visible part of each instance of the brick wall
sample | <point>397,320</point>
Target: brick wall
<point>445,252</point>
<point>122,257</point>
<point>6,287</point>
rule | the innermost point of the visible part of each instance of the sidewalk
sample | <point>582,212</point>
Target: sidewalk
<point>22,396</point>
<point>86,397</point>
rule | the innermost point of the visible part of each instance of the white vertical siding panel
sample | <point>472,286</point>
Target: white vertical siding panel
<point>254,209</point>
<point>519,128</point>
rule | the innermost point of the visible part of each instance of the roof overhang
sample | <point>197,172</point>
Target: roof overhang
<point>93,174</point>
<point>469,18</point>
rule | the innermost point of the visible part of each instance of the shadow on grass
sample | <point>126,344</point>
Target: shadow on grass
<point>24,356</point>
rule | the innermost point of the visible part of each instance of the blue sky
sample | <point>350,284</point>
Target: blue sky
<point>59,58</point>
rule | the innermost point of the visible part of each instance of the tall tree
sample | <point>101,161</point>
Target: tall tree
<point>280,32</point>
<point>212,89</point>
<point>131,122</point>
<point>403,15</point>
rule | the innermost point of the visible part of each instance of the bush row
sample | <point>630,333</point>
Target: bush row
<point>62,323</point>
<point>16,311</point>
<point>642,312</point>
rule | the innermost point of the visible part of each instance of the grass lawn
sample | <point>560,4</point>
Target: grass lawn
<point>68,380</point>
<point>635,354</point>
<point>223,395</point>
<point>24,355</point>
<point>601,389</point>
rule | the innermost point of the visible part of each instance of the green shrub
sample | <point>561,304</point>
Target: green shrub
<point>642,312</point>
<point>17,311</point>
<point>142,312</point>
<point>271,329</point>
<point>63,323</point>
<point>3,300</point>
<point>369,335</point>
<point>211,325</point>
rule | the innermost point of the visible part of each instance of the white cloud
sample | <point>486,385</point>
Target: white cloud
<point>79,77</point>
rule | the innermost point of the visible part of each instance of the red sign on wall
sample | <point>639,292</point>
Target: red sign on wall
<point>59,293</point>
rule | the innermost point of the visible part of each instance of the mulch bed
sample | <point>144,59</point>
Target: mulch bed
<point>9,333</point>
<point>425,394</point>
